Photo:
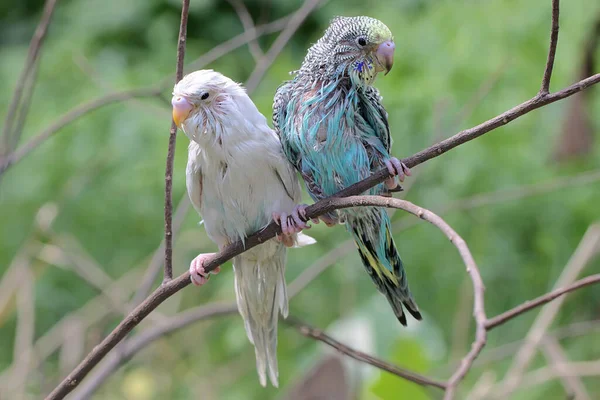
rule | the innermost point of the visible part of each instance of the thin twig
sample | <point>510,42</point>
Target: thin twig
<point>531,304</point>
<point>321,336</point>
<point>248,24</point>
<point>35,47</point>
<point>552,49</point>
<point>498,121</point>
<point>283,38</point>
<point>185,6</point>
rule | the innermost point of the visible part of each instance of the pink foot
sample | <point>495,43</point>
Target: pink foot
<point>396,168</point>
<point>197,274</point>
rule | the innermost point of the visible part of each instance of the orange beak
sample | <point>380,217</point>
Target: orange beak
<point>385,55</point>
<point>181,109</point>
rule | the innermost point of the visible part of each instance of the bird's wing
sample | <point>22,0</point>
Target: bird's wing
<point>282,120</point>
<point>372,111</point>
<point>194,176</point>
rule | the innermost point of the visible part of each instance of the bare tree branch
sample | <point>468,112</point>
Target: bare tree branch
<point>35,47</point>
<point>185,6</point>
<point>180,321</point>
<point>498,121</point>
<point>552,50</point>
<point>321,336</point>
<point>531,304</point>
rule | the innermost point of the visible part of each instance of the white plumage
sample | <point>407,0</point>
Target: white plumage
<point>237,178</point>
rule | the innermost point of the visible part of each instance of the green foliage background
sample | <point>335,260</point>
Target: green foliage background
<point>105,173</point>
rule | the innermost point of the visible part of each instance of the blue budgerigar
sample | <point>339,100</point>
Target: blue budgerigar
<point>334,130</point>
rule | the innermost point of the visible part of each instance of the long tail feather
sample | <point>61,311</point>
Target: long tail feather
<point>371,231</point>
<point>261,293</point>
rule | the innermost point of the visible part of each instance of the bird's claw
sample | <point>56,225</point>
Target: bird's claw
<point>291,224</point>
<point>197,273</point>
<point>396,168</point>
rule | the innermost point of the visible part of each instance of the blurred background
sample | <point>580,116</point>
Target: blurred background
<point>81,215</point>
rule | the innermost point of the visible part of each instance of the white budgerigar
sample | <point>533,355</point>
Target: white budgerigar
<point>239,180</point>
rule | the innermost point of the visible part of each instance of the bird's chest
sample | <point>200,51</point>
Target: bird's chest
<point>233,196</point>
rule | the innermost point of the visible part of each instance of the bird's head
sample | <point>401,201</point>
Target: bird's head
<point>359,47</point>
<point>203,100</point>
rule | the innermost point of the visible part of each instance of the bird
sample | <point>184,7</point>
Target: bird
<point>334,129</point>
<point>239,180</point>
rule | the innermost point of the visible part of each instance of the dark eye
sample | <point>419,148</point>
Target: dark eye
<point>204,96</point>
<point>361,41</point>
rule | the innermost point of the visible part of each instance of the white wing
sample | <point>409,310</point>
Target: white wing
<point>194,176</point>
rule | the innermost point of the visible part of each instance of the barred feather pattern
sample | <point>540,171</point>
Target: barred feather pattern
<point>334,130</point>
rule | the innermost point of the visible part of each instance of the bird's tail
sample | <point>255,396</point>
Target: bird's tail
<point>261,293</point>
<point>371,231</point>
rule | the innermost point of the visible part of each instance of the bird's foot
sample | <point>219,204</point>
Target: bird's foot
<point>197,273</point>
<point>396,168</point>
<point>291,224</point>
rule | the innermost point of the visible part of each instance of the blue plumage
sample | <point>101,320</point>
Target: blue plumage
<point>334,130</point>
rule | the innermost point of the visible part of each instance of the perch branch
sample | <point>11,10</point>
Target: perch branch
<point>171,151</point>
<point>552,49</point>
<point>321,336</point>
<point>531,304</point>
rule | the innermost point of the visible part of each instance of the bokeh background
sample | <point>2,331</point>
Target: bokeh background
<point>82,215</point>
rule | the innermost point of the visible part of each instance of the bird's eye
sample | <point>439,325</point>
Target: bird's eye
<point>361,41</point>
<point>204,96</point>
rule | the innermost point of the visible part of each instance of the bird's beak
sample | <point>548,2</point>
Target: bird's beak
<point>385,55</point>
<point>181,109</point>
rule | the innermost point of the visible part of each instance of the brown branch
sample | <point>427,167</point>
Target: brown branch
<point>35,47</point>
<point>179,321</point>
<point>498,121</point>
<point>174,285</point>
<point>545,89</point>
<point>321,336</point>
<point>168,275</point>
<point>531,304</point>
